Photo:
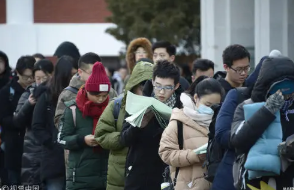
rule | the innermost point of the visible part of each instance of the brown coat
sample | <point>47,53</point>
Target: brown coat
<point>133,46</point>
<point>190,176</point>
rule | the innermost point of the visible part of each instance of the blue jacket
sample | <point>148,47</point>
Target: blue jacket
<point>263,158</point>
<point>224,176</point>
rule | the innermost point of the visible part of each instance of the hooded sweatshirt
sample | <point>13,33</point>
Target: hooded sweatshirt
<point>5,76</point>
<point>108,132</point>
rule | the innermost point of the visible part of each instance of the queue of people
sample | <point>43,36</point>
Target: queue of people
<point>64,126</point>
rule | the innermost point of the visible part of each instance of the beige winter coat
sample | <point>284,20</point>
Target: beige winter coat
<point>191,173</point>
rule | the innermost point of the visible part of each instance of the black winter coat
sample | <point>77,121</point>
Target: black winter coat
<point>6,75</point>
<point>31,158</point>
<point>245,135</point>
<point>144,167</point>
<point>52,159</point>
<point>11,134</point>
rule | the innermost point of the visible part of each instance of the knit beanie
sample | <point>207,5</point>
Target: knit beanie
<point>98,80</point>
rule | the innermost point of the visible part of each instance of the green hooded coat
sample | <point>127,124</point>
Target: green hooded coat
<point>108,133</point>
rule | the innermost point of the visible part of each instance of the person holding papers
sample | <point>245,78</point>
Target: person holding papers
<point>144,168</point>
<point>109,130</point>
<point>195,117</point>
<point>87,161</point>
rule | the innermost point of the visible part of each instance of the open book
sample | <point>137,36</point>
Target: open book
<point>137,106</point>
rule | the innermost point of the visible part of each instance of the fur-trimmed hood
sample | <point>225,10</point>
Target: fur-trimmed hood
<point>130,56</point>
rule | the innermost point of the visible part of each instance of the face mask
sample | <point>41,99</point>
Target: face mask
<point>202,109</point>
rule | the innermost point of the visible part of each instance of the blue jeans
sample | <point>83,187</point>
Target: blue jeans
<point>14,177</point>
<point>55,183</point>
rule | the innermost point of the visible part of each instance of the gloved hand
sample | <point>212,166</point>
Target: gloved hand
<point>286,148</point>
<point>275,102</point>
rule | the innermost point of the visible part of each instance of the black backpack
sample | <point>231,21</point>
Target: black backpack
<point>215,152</point>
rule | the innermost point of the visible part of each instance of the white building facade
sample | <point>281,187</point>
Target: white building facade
<point>21,36</point>
<point>259,25</point>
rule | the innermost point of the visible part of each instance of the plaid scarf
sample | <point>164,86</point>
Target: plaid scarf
<point>171,102</point>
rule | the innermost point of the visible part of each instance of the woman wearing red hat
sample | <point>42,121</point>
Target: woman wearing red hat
<point>87,163</point>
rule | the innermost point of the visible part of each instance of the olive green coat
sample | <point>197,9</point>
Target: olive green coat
<point>86,168</point>
<point>108,133</point>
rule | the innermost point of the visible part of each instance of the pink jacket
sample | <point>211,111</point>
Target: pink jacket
<point>191,173</point>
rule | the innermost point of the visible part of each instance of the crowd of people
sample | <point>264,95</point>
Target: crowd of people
<point>63,125</point>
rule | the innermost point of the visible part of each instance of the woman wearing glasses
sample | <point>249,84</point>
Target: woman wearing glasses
<point>139,48</point>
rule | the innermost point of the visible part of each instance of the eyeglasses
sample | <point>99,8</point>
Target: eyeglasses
<point>240,70</point>
<point>141,52</point>
<point>165,88</point>
<point>86,72</point>
<point>41,78</point>
<point>25,77</point>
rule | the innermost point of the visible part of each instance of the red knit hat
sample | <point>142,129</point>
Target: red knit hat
<point>98,80</point>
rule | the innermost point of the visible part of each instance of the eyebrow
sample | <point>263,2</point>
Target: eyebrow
<point>164,85</point>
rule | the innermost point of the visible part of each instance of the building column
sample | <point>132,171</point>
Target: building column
<point>19,11</point>
<point>274,27</point>
<point>225,22</point>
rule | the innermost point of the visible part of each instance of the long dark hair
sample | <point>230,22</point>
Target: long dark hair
<point>191,89</point>
<point>204,85</point>
<point>61,78</point>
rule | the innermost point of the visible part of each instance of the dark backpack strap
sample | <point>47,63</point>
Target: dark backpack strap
<point>181,144</point>
<point>116,108</point>
<point>72,89</point>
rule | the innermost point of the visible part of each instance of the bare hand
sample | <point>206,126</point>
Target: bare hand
<point>202,157</point>
<point>32,100</point>
<point>147,117</point>
<point>90,140</point>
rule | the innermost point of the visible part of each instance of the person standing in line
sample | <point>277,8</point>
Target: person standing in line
<point>43,128</point>
<point>111,123</point>
<point>138,48</point>
<point>30,172</point>
<point>164,50</point>
<point>87,163</point>
<point>12,136</point>
<point>144,168</point>
<point>195,117</point>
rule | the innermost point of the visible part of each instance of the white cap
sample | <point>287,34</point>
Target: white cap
<point>275,53</point>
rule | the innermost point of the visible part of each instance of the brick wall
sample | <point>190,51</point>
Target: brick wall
<point>2,11</point>
<point>70,11</point>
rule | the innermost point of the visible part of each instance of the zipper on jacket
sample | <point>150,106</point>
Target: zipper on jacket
<point>74,175</point>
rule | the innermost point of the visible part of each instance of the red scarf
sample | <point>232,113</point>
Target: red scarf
<point>89,108</point>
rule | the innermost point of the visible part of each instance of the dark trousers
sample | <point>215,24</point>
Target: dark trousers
<point>14,177</point>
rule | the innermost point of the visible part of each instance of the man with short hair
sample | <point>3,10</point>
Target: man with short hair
<point>144,168</point>
<point>85,64</point>
<point>164,50</point>
<point>12,136</point>
<point>202,67</point>
<point>236,61</point>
